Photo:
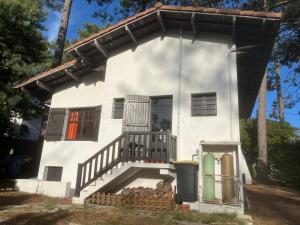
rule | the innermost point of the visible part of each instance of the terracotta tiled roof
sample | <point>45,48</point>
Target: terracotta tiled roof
<point>47,73</point>
<point>160,6</point>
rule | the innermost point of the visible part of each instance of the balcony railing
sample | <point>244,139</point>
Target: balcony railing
<point>147,147</point>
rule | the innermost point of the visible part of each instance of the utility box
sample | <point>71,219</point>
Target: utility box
<point>187,180</point>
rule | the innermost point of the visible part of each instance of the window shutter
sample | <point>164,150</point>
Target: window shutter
<point>55,124</point>
<point>97,116</point>
<point>136,113</point>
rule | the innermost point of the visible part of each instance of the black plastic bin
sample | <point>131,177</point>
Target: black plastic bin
<point>187,180</point>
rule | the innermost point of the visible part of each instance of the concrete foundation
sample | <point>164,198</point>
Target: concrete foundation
<point>49,188</point>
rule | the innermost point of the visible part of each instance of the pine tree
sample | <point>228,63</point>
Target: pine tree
<point>23,53</point>
<point>61,38</point>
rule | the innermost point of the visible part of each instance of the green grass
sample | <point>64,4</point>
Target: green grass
<point>215,218</point>
<point>123,216</point>
<point>49,205</point>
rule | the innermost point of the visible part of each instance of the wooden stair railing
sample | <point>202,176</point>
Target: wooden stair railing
<point>130,146</point>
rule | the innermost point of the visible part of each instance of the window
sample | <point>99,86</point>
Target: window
<point>204,104</point>
<point>161,113</point>
<point>53,173</point>
<point>118,108</point>
<point>83,124</point>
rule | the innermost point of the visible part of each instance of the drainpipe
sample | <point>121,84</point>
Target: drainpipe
<point>230,93</point>
<point>179,91</point>
<point>200,172</point>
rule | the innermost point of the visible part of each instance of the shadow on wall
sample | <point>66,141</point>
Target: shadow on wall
<point>157,58</point>
<point>87,80</point>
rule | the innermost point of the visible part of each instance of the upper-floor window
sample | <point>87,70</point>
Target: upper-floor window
<point>83,124</point>
<point>161,113</point>
<point>73,124</point>
<point>118,108</point>
<point>204,104</point>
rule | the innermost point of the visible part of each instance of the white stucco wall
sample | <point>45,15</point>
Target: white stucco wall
<point>153,69</point>
<point>50,188</point>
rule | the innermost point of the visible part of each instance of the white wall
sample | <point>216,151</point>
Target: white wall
<point>153,69</point>
<point>50,188</point>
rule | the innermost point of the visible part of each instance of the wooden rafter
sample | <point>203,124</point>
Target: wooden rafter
<point>234,28</point>
<point>131,35</point>
<point>82,56</point>
<point>194,24</point>
<point>161,22</point>
<point>45,86</point>
<point>100,48</point>
<point>72,75</point>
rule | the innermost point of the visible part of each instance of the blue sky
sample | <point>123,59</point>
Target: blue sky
<point>82,12</point>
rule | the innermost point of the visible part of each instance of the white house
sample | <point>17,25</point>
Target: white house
<point>169,84</point>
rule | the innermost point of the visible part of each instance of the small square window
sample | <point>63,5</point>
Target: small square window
<point>53,173</point>
<point>204,104</point>
<point>118,108</point>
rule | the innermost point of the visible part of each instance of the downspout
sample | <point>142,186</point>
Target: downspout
<point>230,95</point>
<point>179,92</point>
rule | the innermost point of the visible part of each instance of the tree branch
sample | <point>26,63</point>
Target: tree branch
<point>281,3</point>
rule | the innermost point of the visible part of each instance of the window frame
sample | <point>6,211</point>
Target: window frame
<point>161,97</point>
<point>202,95</point>
<point>80,122</point>
<point>46,171</point>
<point>114,108</point>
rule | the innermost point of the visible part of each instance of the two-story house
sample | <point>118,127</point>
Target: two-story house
<point>168,84</point>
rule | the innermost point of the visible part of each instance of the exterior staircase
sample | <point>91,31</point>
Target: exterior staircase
<point>124,157</point>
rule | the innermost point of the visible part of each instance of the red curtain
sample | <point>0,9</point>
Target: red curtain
<point>73,126</point>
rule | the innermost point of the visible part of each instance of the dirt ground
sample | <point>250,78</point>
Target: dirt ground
<point>270,205</point>
<point>17,208</point>
<point>273,204</point>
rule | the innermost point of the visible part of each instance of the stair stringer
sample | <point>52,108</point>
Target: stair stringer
<point>128,168</point>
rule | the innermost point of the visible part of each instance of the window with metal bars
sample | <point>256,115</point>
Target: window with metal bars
<point>118,108</point>
<point>204,104</point>
<point>53,173</point>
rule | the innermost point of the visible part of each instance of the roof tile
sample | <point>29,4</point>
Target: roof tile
<point>178,8</point>
<point>47,73</point>
<point>146,12</point>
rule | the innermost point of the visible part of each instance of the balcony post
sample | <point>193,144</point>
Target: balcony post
<point>126,147</point>
<point>78,180</point>
<point>169,146</point>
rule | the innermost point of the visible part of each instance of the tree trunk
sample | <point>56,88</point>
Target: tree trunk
<point>60,43</point>
<point>262,132</point>
<point>278,82</point>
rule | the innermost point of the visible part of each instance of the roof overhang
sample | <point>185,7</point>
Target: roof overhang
<point>253,33</point>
